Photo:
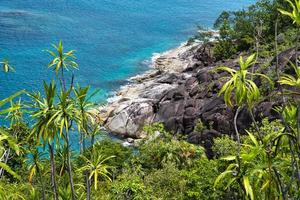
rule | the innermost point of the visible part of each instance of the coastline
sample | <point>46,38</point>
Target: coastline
<point>181,90</point>
<point>132,106</point>
<point>158,65</point>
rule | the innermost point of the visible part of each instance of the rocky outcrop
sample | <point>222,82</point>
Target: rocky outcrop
<point>181,89</point>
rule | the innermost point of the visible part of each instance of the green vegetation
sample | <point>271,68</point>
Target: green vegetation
<point>37,162</point>
<point>253,29</point>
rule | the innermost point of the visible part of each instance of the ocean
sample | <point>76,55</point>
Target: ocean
<point>113,39</point>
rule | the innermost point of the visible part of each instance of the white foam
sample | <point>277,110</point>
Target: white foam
<point>114,96</point>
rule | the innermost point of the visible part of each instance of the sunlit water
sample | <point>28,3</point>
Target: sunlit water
<point>113,38</point>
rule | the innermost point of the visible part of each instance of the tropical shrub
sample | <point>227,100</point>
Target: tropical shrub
<point>163,149</point>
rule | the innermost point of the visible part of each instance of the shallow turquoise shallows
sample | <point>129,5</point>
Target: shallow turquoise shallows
<point>113,38</point>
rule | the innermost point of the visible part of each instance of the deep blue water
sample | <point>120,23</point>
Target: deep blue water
<point>112,37</point>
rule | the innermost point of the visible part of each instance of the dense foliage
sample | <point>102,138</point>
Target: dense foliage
<point>253,29</point>
<point>37,161</point>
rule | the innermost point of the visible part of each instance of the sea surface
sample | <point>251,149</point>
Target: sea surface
<point>113,39</point>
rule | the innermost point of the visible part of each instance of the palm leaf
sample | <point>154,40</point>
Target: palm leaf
<point>9,170</point>
<point>222,176</point>
<point>248,187</point>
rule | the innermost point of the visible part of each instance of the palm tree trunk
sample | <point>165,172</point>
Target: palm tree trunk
<point>70,168</point>
<point>298,106</point>
<point>255,125</point>
<point>276,49</point>
<point>298,122</point>
<point>88,180</point>
<point>81,143</point>
<point>238,149</point>
<point>294,162</point>
<point>297,46</point>
<point>88,186</point>
<point>53,171</point>
<point>238,137</point>
<point>92,140</point>
<point>86,173</point>
<point>279,183</point>
<point>63,79</point>
<point>43,186</point>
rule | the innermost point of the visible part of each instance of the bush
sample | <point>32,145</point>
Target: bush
<point>164,149</point>
<point>166,183</point>
<point>200,126</point>
<point>200,182</point>
<point>224,49</point>
<point>129,186</point>
<point>108,148</point>
<point>224,146</point>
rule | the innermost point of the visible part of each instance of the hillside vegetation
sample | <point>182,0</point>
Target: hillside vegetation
<point>258,162</point>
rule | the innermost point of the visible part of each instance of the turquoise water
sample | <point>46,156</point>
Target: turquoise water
<point>112,37</point>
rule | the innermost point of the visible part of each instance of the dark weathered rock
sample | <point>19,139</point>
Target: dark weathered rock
<point>178,98</point>
<point>169,79</point>
<point>204,76</point>
<point>205,139</point>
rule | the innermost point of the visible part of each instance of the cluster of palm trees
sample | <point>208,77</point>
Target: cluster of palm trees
<point>7,142</point>
<point>55,114</point>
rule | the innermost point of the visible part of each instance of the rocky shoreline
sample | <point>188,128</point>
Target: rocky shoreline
<point>133,106</point>
<point>180,90</point>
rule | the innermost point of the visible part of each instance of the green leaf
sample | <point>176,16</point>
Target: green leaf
<point>222,176</point>
<point>286,13</point>
<point>10,98</point>
<point>9,170</point>
<point>253,139</point>
<point>228,158</point>
<point>248,187</point>
<point>250,61</point>
<point>10,140</point>
<point>226,69</point>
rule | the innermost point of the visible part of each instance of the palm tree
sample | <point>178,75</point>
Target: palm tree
<point>65,193</point>
<point>84,110</point>
<point>62,159</point>
<point>83,106</point>
<point>6,137</point>
<point>259,175</point>
<point>97,168</point>
<point>44,129</point>
<point>36,162</point>
<point>33,194</point>
<point>65,113</point>
<point>94,130</point>
<point>62,61</point>
<point>291,113</point>
<point>7,100</point>
<point>245,90</point>
<point>15,117</point>
<point>63,117</point>
<point>293,81</point>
